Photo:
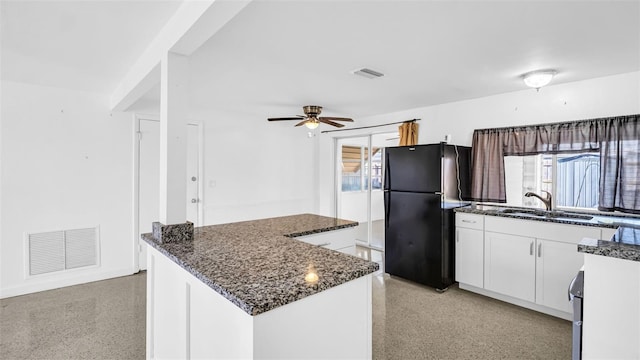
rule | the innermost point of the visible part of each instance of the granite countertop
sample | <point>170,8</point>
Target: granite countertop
<point>625,243</point>
<point>258,266</point>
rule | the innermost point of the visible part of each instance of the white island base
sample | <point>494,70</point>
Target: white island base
<point>187,319</point>
<point>611,313</point>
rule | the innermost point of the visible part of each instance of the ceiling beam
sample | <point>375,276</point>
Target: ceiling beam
<point>193,23</point>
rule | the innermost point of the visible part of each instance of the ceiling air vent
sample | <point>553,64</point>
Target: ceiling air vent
<point>368,73</point>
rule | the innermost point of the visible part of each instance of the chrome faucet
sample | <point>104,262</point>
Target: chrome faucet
<point>547,201</point>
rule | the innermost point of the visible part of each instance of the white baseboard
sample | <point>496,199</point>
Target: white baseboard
<point>29,287</point>
<point>522,303</point>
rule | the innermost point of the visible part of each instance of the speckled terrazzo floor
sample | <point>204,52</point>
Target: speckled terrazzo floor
<point>99,320</point>
<point>105,320</point>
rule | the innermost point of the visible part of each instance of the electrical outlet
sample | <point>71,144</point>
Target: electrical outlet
<point>447,138</point>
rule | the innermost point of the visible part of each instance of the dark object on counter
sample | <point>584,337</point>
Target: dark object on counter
<point>576,296</point>
<point>422,186</point>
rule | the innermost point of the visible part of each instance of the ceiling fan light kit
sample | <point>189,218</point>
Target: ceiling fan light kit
<point>539,78</point>
<point>311,119</point>
<point>311,124</point>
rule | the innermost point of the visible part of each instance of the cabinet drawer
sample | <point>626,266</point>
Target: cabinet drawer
<point>470,221</point>
<point>334,240</point>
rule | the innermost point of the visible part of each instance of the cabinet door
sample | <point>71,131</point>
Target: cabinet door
<point>556,264</point>
<point>510,266</point>
<point>470,257</point>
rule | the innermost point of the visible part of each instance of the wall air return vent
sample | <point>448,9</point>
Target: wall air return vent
<point>368,73</point>
<point>62,250</point>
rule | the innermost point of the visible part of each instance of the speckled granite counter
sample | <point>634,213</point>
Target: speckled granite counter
<point>258,266</point>
<point>625,244</point>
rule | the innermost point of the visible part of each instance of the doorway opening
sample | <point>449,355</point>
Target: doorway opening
<point>147,180</point>
<point>359,184</point>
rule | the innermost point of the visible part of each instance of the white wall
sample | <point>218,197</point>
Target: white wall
<point>257,171</point>
<point>66,163</point>
<point>600,97</point>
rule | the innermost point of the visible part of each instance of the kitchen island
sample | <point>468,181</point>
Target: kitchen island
<point>611,312</point>
<point>252,290</point>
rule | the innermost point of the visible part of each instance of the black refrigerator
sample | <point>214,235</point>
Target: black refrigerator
<point>422,186</point>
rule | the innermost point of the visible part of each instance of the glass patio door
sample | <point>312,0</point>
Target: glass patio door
<point>359,193</point>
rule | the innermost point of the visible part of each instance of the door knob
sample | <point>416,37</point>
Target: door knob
<point>193,178</point>
<point>193,201</point>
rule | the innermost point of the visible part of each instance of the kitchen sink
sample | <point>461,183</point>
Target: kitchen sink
<point>524,212</point>
<point>546,214</point>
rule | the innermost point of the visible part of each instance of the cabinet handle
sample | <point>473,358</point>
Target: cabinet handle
<point>469,221</point>
<point>540,250</point>
<point>531,248</point>
<point>322,245</point>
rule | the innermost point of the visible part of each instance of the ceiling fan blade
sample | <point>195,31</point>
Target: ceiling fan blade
<point>298,117</point>
<point>329,122</point>
<point>301,123</point>
<point>337,118</point>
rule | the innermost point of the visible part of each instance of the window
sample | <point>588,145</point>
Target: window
<point>376,169</point>
<point>572,179</point>
<point>351,165</point>
<point>615,138</point>
<point>354,160</point>
<point>577,179</point>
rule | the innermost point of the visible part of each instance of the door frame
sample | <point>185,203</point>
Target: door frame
<point>136,180</point>
<point>337,188</point>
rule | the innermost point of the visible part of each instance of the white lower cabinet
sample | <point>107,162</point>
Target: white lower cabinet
<point>469,264</point>
<point>509,266</point>
<point>557,263</point>
<point>525,262</point>
<point>535,270</point>
<point>470,256</point>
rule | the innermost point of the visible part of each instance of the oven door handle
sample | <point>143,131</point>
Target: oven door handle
<point>570,295</point>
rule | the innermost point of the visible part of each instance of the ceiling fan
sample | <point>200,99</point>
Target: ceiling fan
<point>311,119</point>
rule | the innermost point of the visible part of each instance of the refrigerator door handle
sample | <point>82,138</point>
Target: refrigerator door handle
<point>387,206</point>
<point>386,173</point>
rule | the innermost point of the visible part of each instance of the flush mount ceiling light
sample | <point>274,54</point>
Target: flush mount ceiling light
<point>539,78</point>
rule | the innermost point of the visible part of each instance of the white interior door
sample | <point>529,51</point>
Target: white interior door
<point>149,180</point>
<point>193,176</point>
